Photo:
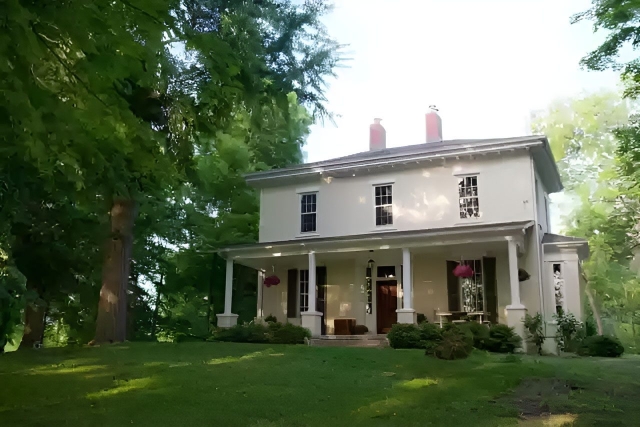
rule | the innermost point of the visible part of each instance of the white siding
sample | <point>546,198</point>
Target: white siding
<point>542,205</point>
<point>423,197</point>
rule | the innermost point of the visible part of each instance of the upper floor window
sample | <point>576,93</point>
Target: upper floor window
<point>384,204</point>
<point>468,194</point>
<point>308,209</point>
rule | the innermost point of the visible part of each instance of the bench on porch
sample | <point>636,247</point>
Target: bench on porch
<point>461,317</point>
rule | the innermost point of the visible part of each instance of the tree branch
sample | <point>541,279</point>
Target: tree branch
<point>66,67</point>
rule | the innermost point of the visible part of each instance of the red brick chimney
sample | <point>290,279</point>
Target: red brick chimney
<point>434,125</point>
<point>377,136</point>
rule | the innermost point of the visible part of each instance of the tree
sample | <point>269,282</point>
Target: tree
<point>586,135</point>
<point>619,18</point>
<point>114,102</point>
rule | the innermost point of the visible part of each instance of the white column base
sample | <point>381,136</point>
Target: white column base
<point>407,316</point>
<point>312,320</point>
<point>515,319</point>
<point>227,320</point>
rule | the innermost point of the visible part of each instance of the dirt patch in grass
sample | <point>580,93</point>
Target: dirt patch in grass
<point>533,396</point>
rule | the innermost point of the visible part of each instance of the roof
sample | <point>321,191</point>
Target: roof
<point>558,238</point>
<point>557,242</point>
<point>433,150</point>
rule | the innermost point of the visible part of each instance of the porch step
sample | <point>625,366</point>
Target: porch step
<point>372,341</point>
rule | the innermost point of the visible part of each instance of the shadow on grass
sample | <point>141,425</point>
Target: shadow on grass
<point>228,384</point>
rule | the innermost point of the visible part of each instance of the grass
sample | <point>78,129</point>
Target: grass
<point>225,384</point>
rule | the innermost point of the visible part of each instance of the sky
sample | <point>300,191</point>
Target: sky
<point>486,64</point>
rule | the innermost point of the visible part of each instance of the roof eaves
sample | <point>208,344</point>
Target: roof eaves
<point>391,158</point>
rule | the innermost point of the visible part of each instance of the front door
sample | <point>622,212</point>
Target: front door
<point>387,303</point>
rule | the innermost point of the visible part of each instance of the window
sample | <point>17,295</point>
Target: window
<point>387,272</point>
<point>472,288</point>
<point>468,193</point>
<point>304,291</point>
<point>384,205</point>
<point>308,208</point>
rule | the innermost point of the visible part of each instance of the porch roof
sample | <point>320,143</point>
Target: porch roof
<point>380,240</point>
<point>555,242</point>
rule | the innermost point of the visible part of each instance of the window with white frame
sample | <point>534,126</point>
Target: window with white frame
<point>308,209</point>
<point>384,204</point>
<point>468,196</point>
<point>558,286</point>
<point>472,288</point>
<point>304,291</point>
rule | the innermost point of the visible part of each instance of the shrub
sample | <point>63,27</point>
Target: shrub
<point>533,325</point>
<point>430,332</point>
<point>248,332</point>
<point>360,330</point>
<point>601,346</point>
<point>421,318</point>
<point>455,344</point>
<point>271,319</point>
<point>501,339</point>
<point>287,333</point>
<point>479,333</point>
<point>404,336</point>
<point>568,331</point>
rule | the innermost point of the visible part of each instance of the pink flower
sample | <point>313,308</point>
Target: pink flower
<point>463,270</point>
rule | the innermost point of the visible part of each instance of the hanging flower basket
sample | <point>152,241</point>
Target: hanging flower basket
<point>271,281</point>
<point>463,270</point>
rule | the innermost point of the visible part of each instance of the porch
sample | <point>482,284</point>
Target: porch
<point>388,278</point>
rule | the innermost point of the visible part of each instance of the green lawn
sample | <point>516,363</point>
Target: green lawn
<point>224,384</point>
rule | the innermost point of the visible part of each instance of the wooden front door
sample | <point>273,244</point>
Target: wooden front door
<point>387,304</point>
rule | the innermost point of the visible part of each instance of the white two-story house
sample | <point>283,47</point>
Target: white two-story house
<point>374,238</point>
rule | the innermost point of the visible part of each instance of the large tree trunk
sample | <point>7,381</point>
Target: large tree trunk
<point>111,325</point>
<point>34,322</point>
<point>156,308</point>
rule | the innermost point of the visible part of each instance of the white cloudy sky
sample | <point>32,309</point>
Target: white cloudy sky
<point>485,63</point>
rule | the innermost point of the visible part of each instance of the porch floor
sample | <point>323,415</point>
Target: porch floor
<point>374,341</point>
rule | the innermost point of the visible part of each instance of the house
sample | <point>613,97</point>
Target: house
<point>374,238</point>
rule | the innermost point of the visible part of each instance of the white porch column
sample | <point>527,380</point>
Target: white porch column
<point>228,319</point>
<point>515,311</point>
<point>259,310</point>
<point>312,319</point>
<point>406,314</point>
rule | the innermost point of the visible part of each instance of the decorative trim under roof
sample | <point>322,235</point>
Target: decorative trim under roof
<point>538,144</point>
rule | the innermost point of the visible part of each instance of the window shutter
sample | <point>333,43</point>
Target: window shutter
<point>453,287</point>
<point>292,294</point>
<point>490,288</point>
<point>321,300</point>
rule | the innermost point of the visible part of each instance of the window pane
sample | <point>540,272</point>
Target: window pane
<point>308,223</point>
<point>387,271</point>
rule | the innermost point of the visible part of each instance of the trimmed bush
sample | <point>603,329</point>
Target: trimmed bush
<point>404,336</point>
<point>502,339</point>
<point>248,332</point>
<point>360,330</point>
<point>287,333</point>
<point>455,344</point>
<point>421,318</point>
<point>601,346</point>
<point>271,319</point>
<point>414,336</point>
<point>478,331</point>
